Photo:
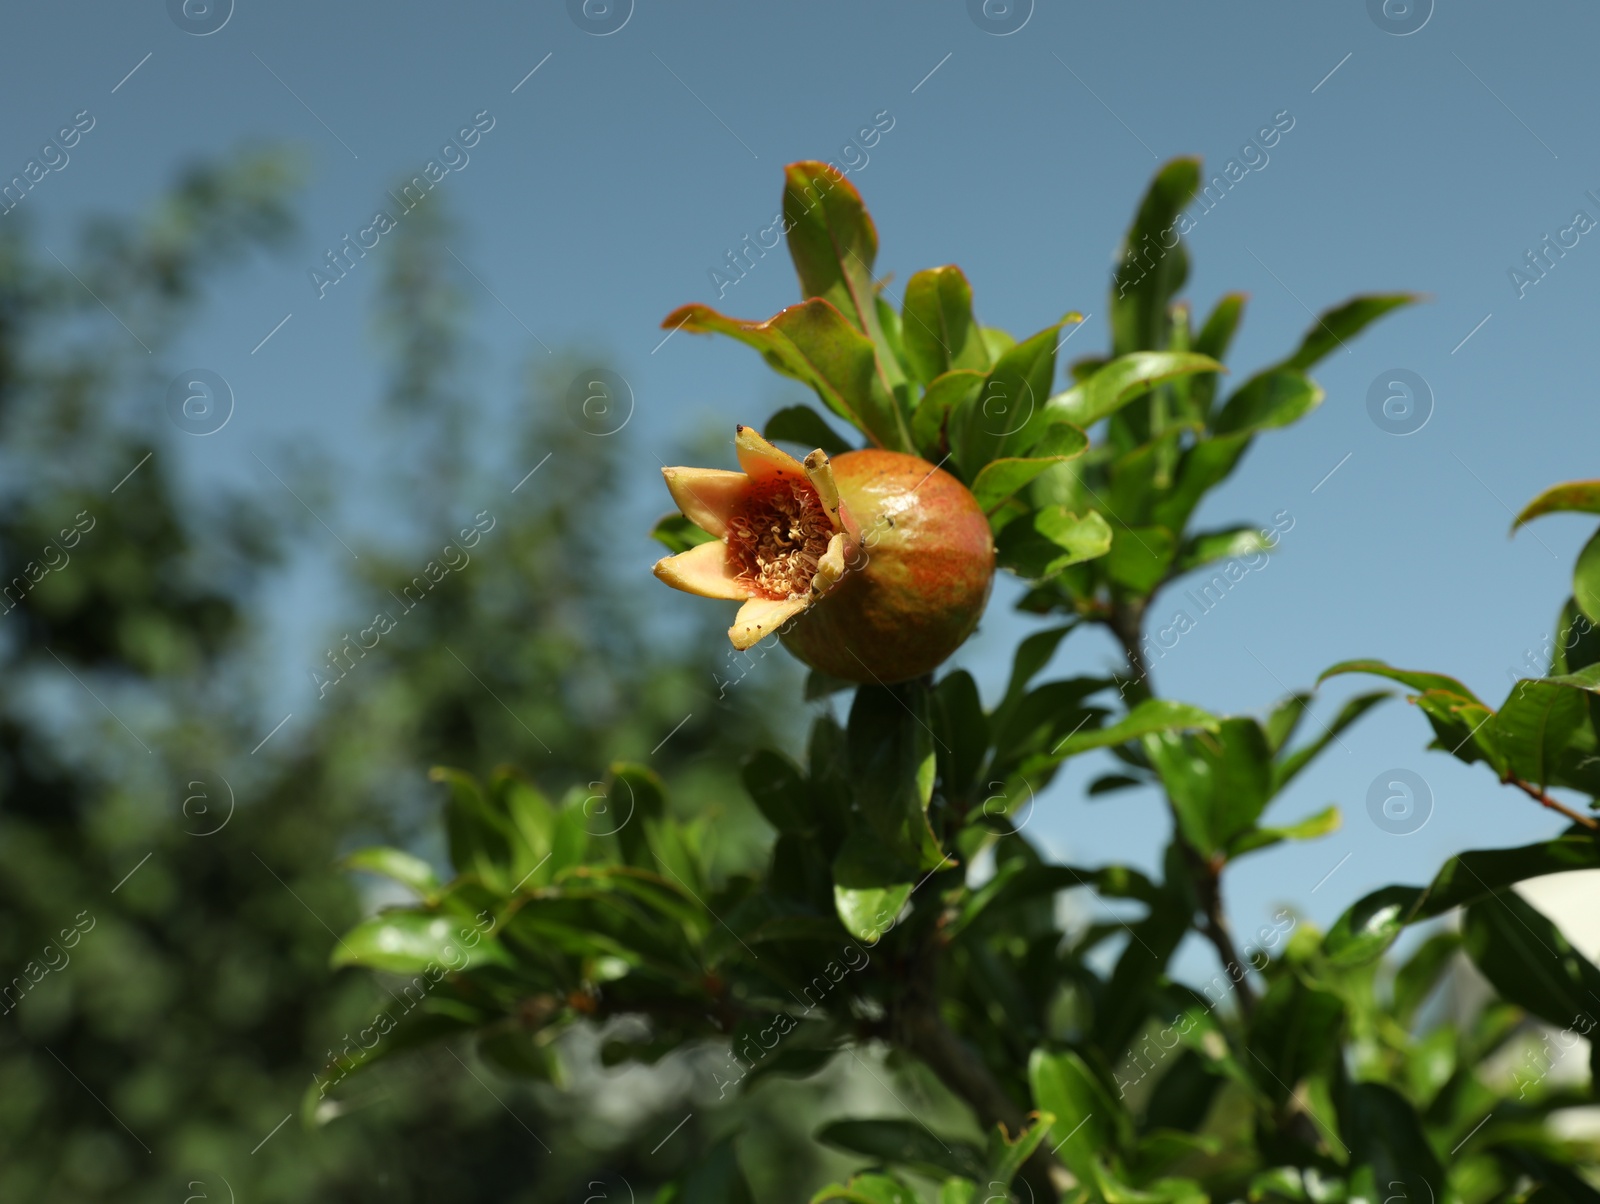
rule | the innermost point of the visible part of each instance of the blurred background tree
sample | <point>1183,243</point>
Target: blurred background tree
<point>152,1058</point>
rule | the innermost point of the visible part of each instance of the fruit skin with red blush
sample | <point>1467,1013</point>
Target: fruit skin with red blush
<point>916,585</point>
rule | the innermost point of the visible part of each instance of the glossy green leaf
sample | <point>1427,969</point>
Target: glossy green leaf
<point>1539,720</point>
<point>1371,925</point>
<point>1214,339</point>
<point>408,942</point>
<point>1334,327</point>
<point>1322,823</point>
<point>1289,766</point>
<point>1200,469</point>
<point>776,786</point>
<point>834,244</point>
<point>678,534</point>
<point>951,391</point>
<point>1586,579</point>
<point>1389,1149</point>
<point>481,839</point>
<point>1422,972</point>
<point>804,426</point>
<point>1140,557</point>
<point>938,330</point>
<point>904,1143</point>
<point>1151,715</point>
<point>1575,644</point>
<point>958,1191</point>
<point>1079,538</point>
<point>1207,547</point>
<point>1271,399</point>
<point>1086,1117</point>
<point>868,1189</point>
<point>1295,1032</point>
<point>1218,780</point>
<point>1528,959</point>
<point>813,342</point>
<point>1005,1155</point>
<point>1582,497</point>
<point>1122,380</point>
<point>999,479</point>
<point>963,731</point>
<point>1152,263</point>
<point>871,886</point>
<point>396,864</point>
<point>1007,415</point>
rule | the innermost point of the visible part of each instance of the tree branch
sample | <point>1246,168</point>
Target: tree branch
<point>1544,800</point>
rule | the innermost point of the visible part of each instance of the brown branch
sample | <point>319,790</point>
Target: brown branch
<point>1208,877</point>
<point>1544,800</point>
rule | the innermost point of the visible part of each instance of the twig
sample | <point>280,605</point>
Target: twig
<point>1544,800</point>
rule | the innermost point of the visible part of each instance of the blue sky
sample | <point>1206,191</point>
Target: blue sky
<point>618,174</point>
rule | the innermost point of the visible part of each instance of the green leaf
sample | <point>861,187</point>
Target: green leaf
<point>1079,538</point>
<point>806,427</point>
<point>1582,497</point>
<point>716,1178</point>
<point>1323,823</point>
<point>1007,415</point>
<point>1151,715</point>
<point>1538,721</point>
<point>778,790</point>
<point>1086,1117</point>
<point>834,243</point>
<point>1216,335</point>
<point>1270,399</point>
<point>1389,1149</point>
<point>1289,767</point>
<point>1140,557</point>
<point>813,342</point>
<point>1214,339</point>
<point>1417,977</point>
<point>998,480</point>
<point>958,1191</point>
<point>1295,1032</point>
<point>1200,469</point>
<point>1586,579</point>
<point>963,731</point>
<point>1342,322</point>
<point>1219,780</point>
<point>871,886</point>
<point>407,942</point>
<point>1576,643</point>
<point>868,1189</point>
<point>939,332</point>
<point>1528,959</point>
<point>1371,924</point>
<point>678,534</point>
<point>1122,380</point>
<point>480,837</point>
<point>891,754</point>
<point>1006,1156</point>
<point>404,868</point>
<point>1209,546</point>
<point>1284,719</point>
<point>904,1143</point>
<point>869,912</point>
<point>951,391</point>
<point>1152,263</point>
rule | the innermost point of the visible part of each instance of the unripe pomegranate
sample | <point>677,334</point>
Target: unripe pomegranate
<point>873,566</point>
